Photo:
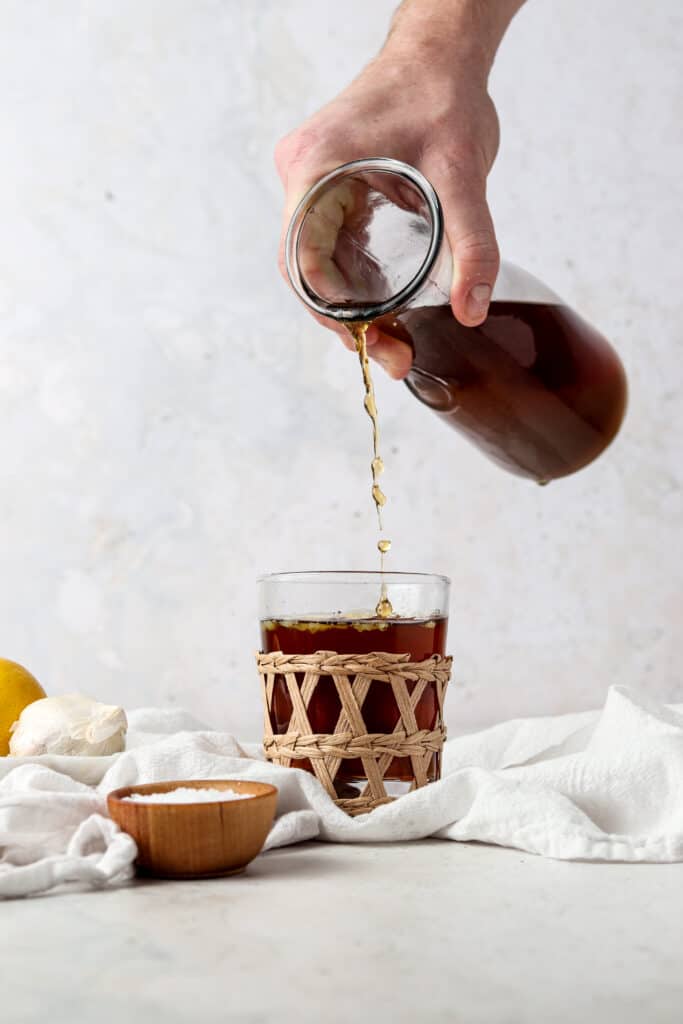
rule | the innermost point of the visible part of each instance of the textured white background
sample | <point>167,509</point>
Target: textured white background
<point>171,423</point>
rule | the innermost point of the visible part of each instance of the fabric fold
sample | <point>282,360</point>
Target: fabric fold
<point>591,786</point>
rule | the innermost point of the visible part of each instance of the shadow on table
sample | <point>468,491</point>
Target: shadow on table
<point>302,860</point>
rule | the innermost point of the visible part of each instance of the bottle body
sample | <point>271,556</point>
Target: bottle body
<point>535,387</point>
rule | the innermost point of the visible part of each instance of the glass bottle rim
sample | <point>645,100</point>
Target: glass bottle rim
<point>368,311</point>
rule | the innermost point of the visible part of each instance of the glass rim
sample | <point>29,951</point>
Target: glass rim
<point>354,576</point>
<point>350,314</point>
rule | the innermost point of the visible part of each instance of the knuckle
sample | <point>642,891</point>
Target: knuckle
<point>478,246</point>
<point>296,148</point>
<point>458,163</point>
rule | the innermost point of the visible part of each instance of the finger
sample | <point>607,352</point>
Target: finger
<point>327,277</point>
<point>299,169</point>
<point>317,243</point>
<point>331,246</point>
<point>394,356</point>
<point>472,239</point>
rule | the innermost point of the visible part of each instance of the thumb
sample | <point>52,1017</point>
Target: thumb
<point>472,240</point>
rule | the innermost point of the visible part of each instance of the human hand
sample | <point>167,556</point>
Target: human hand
<point>425,104</point>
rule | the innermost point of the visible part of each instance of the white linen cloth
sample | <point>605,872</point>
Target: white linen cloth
<point>592,786</point>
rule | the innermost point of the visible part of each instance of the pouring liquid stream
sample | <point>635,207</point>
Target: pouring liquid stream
<point>358,332</point>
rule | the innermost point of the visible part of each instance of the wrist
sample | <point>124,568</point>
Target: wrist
<point>450,34</point>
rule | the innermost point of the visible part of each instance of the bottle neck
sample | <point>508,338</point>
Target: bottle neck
<point>367,240</point>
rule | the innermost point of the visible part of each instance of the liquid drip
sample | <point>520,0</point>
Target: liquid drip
<point>358,332</point>
<point>379,498</point>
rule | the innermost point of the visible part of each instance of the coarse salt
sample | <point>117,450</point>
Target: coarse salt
<point>186,795</point>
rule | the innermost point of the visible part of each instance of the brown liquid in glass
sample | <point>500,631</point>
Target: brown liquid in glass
<point>418,638</point>
<point>537,388</point>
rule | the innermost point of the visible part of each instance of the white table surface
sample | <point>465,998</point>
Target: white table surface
<point>408,932</point>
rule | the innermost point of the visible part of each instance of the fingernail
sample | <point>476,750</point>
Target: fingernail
<point>478,300</point>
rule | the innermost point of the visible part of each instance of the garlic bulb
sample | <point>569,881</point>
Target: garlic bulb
<point>72,724</point>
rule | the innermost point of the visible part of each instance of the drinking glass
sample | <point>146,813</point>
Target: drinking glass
<point>302,613</point>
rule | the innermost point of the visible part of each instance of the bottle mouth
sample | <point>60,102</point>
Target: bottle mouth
<point>363,240</point>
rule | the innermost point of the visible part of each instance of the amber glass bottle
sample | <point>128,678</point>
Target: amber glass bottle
<point>535,387</point>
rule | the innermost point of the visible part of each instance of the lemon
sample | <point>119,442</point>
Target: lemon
<point>18,689</point>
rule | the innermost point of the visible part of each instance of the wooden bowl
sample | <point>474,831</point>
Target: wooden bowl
<point>201,840</point>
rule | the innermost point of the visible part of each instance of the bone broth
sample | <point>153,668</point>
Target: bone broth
<point>537,388</point>
<point>419,638</point>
